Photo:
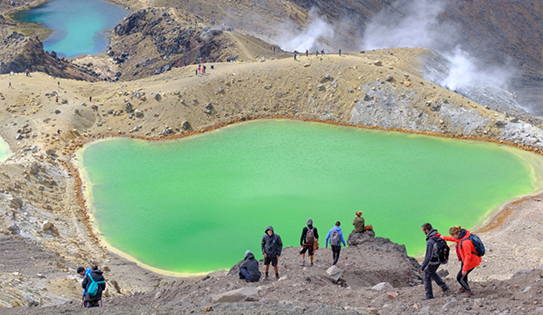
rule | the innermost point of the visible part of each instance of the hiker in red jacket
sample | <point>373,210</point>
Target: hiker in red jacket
<point>467,255</point>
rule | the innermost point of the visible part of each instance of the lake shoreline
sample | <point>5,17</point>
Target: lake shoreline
<point>496,217</point>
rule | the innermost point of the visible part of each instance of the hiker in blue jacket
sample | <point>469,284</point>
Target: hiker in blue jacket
<point>271,249</point>
<point>83,272</point>
<point>94,276</point>
<point>335,236</point>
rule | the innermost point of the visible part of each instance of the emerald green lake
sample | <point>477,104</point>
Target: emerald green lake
<point>5,152</point>
<point>77,25</point>
<point>197,204</point>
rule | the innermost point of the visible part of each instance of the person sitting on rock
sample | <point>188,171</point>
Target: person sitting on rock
<point>92,299</point>
<point>359,222</point>
<point>248,269</point>
<point>308,241</point>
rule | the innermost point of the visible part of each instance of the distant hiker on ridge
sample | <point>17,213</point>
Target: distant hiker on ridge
<point>309,241</point>
<point>307,53</point>
<point>469,250</point>
<point>248,269</point>
<point>335,236</point>
<point>436,250</point>
<point>340,52</point>
<point>271,249</point>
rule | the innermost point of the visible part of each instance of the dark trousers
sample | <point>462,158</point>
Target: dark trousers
<point>335,253</point>
<point>430,273</point>
<point>244,274</point>
<point>463,280</point>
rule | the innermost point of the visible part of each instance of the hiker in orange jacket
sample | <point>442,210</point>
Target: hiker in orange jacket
<point>465,251</point>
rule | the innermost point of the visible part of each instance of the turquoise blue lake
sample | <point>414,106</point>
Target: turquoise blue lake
<point>197,204</point>
<point>78,25</point>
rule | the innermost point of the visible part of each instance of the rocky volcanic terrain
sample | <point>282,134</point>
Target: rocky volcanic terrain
<point>141,88</point>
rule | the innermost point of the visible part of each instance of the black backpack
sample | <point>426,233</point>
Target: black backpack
<point>443,249</point>
<point>477,244</point>
<point>310,236</point>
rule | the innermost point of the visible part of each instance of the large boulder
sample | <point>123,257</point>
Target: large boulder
<point>360,238</point>
<point>239,295</point>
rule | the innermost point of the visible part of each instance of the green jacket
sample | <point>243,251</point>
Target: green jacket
<point>359,224</point>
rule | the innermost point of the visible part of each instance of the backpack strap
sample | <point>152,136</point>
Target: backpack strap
<point>468,238</point>
<point>97,282</point>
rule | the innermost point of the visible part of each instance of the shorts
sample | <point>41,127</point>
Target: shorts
<point>306,247</point>
<point>273,261</point>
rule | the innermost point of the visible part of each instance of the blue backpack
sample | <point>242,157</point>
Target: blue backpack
<point>477,243</point>
<point>93,289</point>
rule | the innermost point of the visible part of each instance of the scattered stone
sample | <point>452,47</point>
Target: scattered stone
<point>334,272</point>
<point>334,84</point>
<point>373,311</point>
<point>186,125</point>
<point>239,295</point>
<point>129,108</point>
<point>221,89</point>
<point>449,305</point>
<point>382,286</point>
<point>105,268</point>
<point>34,169</point>
<point>51,152</point>
<point>326,78</point>
<point>321,87</point>
<point>392,295</point>
<point>377,63</point>
<point>513,120</point>
<point>307,65</point>
<point>157,97</point>
<point>47,225</point>
<point>389,78</point>
<point>13,228</point>
<point>267,87</point>
<point>500,123</point>
<point>138,113</point>
<point>19,137</point>
<point>16,203</point>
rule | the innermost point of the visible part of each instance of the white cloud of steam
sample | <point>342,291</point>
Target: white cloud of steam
<point>310,38</point>
<point>418,23</point>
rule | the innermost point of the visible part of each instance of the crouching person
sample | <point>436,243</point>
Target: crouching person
<point>248,269</point>
<point>94,284</point>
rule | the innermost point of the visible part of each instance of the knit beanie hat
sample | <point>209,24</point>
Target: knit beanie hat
<point>309,222</point>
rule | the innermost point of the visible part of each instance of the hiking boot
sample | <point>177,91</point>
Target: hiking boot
<point>266,278</point>
<point>302,263</point>
<point>311,265</point>
<point>426,298</point>
<point>277,276</point>
<point>446,290</point>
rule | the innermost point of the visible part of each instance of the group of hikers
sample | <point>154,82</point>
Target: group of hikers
<point>272,246</point>
<point>469,250</point>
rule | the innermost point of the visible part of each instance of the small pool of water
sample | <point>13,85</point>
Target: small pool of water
<point>78,25</point>
<point>197,204</point>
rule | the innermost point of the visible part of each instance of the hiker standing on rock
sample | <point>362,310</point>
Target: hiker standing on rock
<point>467,254</point>
<point>94,284</point>
<point>309,241</point>
<point>271,249</point>
<point>248,269</point>
<point>435,246</point>
<point>335,236</point>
